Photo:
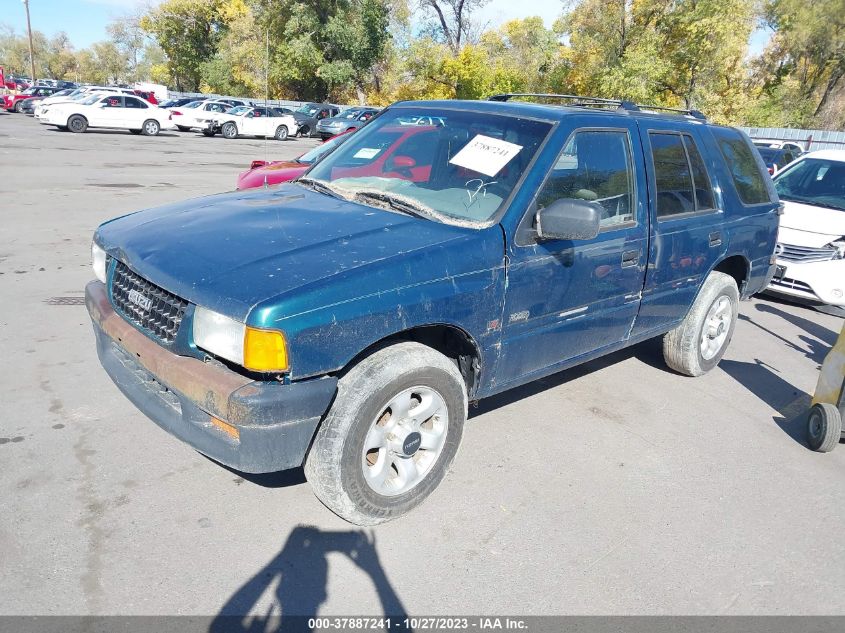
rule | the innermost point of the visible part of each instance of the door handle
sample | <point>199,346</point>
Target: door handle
<point>716,238</point>
<point>630,258</point>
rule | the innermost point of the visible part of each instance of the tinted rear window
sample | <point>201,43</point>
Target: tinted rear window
<point>743,166</point>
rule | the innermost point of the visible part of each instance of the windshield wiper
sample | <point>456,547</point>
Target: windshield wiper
<point>320,186</point>
<point>398,203</point>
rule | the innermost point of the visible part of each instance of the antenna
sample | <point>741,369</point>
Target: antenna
<point>266,90</point>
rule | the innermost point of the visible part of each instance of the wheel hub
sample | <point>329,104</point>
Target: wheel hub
<point>404,441</point>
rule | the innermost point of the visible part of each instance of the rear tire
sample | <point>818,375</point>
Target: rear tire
<point>229,130</point>
<point>151,127</point>
<point>281,133</point>
<point>393,430</point>
<point>77,123</point>
<point>697,345</point>
<point>824,427</point>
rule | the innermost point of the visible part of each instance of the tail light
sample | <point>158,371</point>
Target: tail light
<point>174,113</point>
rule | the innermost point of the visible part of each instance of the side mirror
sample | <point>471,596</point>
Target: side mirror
<point>403,162</point>
<point>569,219</point>
<point>257,163</point>
<point>250,115</point>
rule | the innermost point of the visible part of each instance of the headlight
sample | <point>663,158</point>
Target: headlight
<point>253,348</point>
<point>98,262</point>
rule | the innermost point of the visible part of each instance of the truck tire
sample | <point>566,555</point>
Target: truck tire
<point>824,427</point>
<point>391,434</point>
<point>697,345</point>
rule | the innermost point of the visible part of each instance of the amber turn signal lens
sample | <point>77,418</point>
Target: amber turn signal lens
<point>265,350</point>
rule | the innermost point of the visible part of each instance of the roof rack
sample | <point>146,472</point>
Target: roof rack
<point>597,102</point>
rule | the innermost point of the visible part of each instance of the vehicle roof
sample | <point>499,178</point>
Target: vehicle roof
<point>546,110</point>
<point>827,154</point>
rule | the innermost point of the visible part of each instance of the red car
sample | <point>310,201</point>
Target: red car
<point>261,172</point>
<point>385,143</point>
<point>10,102</point>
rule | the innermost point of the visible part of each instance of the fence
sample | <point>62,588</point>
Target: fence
<point>808,139</point>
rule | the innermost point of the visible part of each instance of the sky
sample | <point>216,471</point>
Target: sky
<point>85,20</point>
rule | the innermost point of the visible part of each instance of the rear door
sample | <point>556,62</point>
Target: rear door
<point>687,238</point>
<point>135,112</point>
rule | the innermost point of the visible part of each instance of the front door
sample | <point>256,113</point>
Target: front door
<point>568,298</point>
<point>108,112</point>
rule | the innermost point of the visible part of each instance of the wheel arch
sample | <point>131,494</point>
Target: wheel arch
<point>738,267</point>
<point>448,339</point>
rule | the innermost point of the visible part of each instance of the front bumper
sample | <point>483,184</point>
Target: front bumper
<point>251,426</point>
<point>813,281</point>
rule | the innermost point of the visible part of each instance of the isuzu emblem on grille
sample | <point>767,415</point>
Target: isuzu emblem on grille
<point>145,303</point>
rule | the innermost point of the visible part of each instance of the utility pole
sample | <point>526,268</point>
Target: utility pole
<point>29,32</point>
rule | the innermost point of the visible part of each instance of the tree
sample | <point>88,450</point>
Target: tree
<point>188,31</point>
<point>451,21</point>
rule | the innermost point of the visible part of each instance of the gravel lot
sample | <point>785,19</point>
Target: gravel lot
<point>615,488</point>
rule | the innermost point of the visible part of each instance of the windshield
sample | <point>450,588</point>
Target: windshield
<point>313,155</point>
<point>307,109</point>
<point>193,104</point>
<point>91,99</point>
<point>769,154</point>
<point>349,114</point>
<point>814,181</point>
<point>239,110</point>
<point>28,91</point>
<point>458,171</point>
<point>61,93</point>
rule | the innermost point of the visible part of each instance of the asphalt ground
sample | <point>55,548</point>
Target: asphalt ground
<point>618,487</point>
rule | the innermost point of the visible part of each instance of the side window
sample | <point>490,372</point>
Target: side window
<point>672,175</point>
<point>743,167</point>
<point>596,166</point>
<point>132,102</point>
<point>114,102</point>
<point>701,181</point>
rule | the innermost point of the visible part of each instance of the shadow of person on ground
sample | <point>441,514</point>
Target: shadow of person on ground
<point>298,577</point>
<point>764,382</point>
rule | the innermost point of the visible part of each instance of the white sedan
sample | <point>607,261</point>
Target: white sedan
<point>811,240</point>
<point>191,115</point>
<point>110,110</point>
<point>267,122</point>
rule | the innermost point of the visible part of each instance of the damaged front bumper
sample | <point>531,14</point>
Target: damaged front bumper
<point>251,426</point>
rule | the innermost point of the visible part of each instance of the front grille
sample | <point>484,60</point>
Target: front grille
<point>792,253</point>
<point>794,284</point>
<point>154,309</point>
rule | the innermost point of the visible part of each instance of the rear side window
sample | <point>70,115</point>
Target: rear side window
<point>742,165</point>
<point>682,183</point>
<point>132,102</point>
<point>672,175</point>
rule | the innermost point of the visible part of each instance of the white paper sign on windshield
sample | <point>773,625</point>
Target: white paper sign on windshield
<point>486,155</point>
<point>366,152</point>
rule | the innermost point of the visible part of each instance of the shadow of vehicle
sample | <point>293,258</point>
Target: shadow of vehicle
<point>764,382</point>
<point>810,327</point>
<point>649,352</point>
<point>297,578</point>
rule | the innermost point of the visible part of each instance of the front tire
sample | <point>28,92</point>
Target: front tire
<point>304,131</point>
<point>281,133</point>
<point>19,107</point>
<point>151,127</point>
<point>229,130</point>
<point>392,432</point>
<point>824,427</point>
<point>697,345</point>
<point>77,124</point>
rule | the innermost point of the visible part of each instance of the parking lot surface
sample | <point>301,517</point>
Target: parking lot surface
<point>618,487</point>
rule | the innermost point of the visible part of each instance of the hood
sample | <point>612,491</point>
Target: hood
<point>808,225</point>
<point>275,172</point>
<point>231,251</point>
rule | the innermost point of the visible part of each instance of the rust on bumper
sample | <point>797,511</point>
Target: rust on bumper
<point>209,386</point>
